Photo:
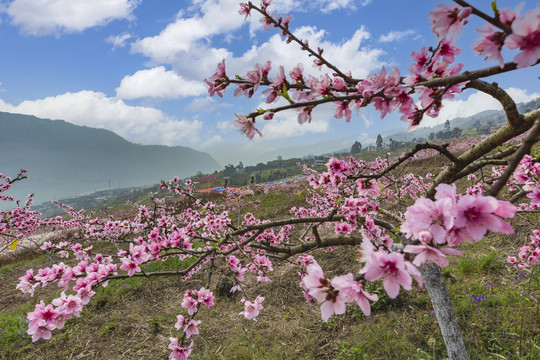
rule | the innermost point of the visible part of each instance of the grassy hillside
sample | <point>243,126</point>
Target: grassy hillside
<point>66,160</point>
<point>498,311</point>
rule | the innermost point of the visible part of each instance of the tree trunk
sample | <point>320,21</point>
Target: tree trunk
<point>433,279</point>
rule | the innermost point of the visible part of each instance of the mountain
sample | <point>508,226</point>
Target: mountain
<point>66,160</point>
<point>253,153</point>
<point>481,119</point>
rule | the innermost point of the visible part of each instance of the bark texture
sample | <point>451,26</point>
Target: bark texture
<point>434,282</point>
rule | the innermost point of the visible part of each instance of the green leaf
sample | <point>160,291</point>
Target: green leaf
<point>494,7</point>
<point>285,94</point>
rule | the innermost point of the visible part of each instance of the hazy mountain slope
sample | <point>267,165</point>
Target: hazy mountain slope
<point>65,159</point>
<point>481,119</point>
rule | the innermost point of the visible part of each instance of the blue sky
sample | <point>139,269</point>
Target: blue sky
<point>136,67</point>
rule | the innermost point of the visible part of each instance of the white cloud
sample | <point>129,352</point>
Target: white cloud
<point>285,125</point>
<point>225,126</point>
<point>348,55</point>
<point>330,5</point>
<point>158,83</point>
<point>280,128</point>
<point>55,16</point>
<point>475,103</point>
<point>118,40</point>
<point>364,137</point>
<point>520,95</point>
<point>139,124</point>
<point>396,35</point>
<point>216,139</point>
<point>206,104</point>
<point>186,44</point>
<point>367,122</point>
<point>216,17</point>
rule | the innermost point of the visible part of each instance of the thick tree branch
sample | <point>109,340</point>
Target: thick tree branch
<point>317,236</point>
<point>160,273</point>
<point>391,215</point>
<point>469,75</point>
<point>494,159</point>
<point>291,221</point>
<point>532,137</point>
<point>508,104</point>
<point>502,135</point>
<point>477,165</point>
<point>442,149</point>
<point>302,248</point>
<point>517,196</point>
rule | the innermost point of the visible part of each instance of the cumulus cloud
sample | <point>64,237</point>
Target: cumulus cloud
<point>206,104</point>
<point>348,55</point>
<point>367,122</point>
<point>186,43</point>
<point>118,41</point>
<point>474,104</point>
<point>216,139</point>
<point>139,124</point>
<point>225,126</point>
<point>57,16</point>
<point>158,83</point>
<point>396,36</point>
<point>331,5</point>
<point>288,126</point>
<point>520,95</point>
<point>213,18</point>
<point>285,125</point>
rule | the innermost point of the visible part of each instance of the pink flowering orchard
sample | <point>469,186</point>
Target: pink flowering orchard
<point>405,225</point>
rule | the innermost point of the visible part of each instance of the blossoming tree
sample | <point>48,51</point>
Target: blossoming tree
<point>405,225</point>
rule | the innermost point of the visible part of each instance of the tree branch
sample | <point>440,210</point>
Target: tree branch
<point>469,75</point>
<point>312,103</point>
<point>477,165</point>
<point>301,43</point>
<point>311,245</point>
<point>291,221</point>
<point>494,21</point>
<point>442,149</point>
<point>528,142</point>
<point>508,104</point>
<point>159,273</point>
<point>502,135</point>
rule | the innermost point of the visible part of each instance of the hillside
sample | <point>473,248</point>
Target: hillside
<point>481,119</point>
<point>67,160</point>
<point>128,319</point>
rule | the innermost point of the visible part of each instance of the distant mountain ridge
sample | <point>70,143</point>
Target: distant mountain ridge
<point>481,119</point>
<point>66,160</point>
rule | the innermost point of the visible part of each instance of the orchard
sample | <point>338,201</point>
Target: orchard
<point>404,226</point>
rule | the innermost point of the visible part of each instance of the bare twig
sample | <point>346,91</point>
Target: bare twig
<point>442,149</point>
<point>494,21</point>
